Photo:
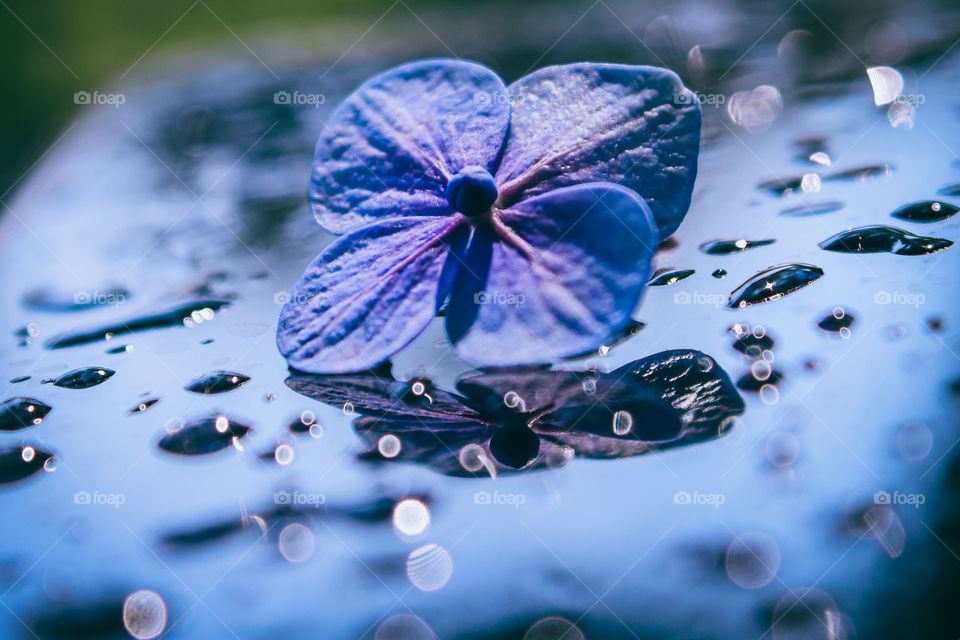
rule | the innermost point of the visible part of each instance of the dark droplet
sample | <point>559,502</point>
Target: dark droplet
<point>773,283</point>
<point>752,382</point>
<point>925,211</point>
<point>812,208</point>
<point>217,382</point>
<point>207,435</point>
<point>952,190</point>
<point>19,379</point>
<point>144,405</point>
<point>881,239</point>
<point>752,345</point>
<point>836,320</point>
<point>171,317</point>
<point>84,378</point>
<point>719,273</point>
<point>20,413</point>
<point>725,247</point>
<point>515,446</point>
<point>663,277</point>
<point>122,348</point>
<point>59,301</point>
<point>17,463</point>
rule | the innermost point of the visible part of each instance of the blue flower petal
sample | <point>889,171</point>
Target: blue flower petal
<point>391,146</point>
<point>369,294</point>
<point>632,125</point>
<point>553,276</point>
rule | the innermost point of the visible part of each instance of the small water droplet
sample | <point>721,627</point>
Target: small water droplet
<point>203,436</point>
<point>84,378</point>
<point>144,615</point>
<point>389,446</point>
<point>664,277</point>
<point>20,413</point>
<point>144,405</point>
<point>880,239</point>
<point>283,454</point>
<point>719,273</point>
<point>837,320</point>
<point>759,377</point>
<point>773,283</point>
<point>411,518</point>
<point>725,247</point>
<point>622,423</point>
<point>217,382</point>
<point>925,211</point>
<point>429,567</point>
<point>123,348</point>
<point>812,208</point>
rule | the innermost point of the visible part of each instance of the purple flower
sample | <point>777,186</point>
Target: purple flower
<point>533,211</point>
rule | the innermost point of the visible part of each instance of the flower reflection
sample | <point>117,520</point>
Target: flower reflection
<point>503,421</point>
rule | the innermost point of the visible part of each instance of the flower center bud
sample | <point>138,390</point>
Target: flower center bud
<point>472,191</point>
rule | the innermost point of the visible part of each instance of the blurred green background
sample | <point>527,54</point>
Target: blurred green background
<point>54,48</point>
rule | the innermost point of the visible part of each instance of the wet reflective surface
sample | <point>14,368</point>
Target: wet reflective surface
<point>765,454</point>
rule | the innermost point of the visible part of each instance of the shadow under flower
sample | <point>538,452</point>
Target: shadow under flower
<point>504,421</point>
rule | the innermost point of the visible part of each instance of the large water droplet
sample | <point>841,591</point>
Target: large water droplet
<point>773,283</point>
<point>217,382</point>
<point>925,211</point>
<point>19,462</point>
<point>84,378</point>
<point>174,316</point>
<point>882,239</point>
<point>725,247</point>
<point>207,435</point>
<point>665,277</point>
<point>20,413</point>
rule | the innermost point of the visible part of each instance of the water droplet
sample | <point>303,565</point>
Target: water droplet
<point>123,348</point>
<point>821,158</point>
<point>782,449</point>
<point>880,239</point>
<point>217,382</point>
<point>725,247</point>
<point>144,615</point>
<point>751,343</point>
<point>925,211</point>
<point>752,560</point>
<point>411,518</point>
<point>759,376</point>
<point>719,273</point>
<point>429,567</point>
<point>952,190</point>
<point>812,208</point>
<point>887,84</point>
<point>171,317</point>
<point>837,320</point>
<point>863,173</point>
<point>810,183</point>
<point>283,454</point>
<point>773,283</point>
<point>664,277</point>
<point>914,441</point>
<point>806,614</point>
<point>20,413</point>
<point>622,423</point>
<point>472,457</point>
<point>553,628</point>
<point>84,378</point>
<point>513,400</point>
<point>19,379</point>
<point>935,324</point>
<point>296,543</point>
<point>19,462</point>
<point>203,436</point>
<point>144,405</point>
<point>389,446</point>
